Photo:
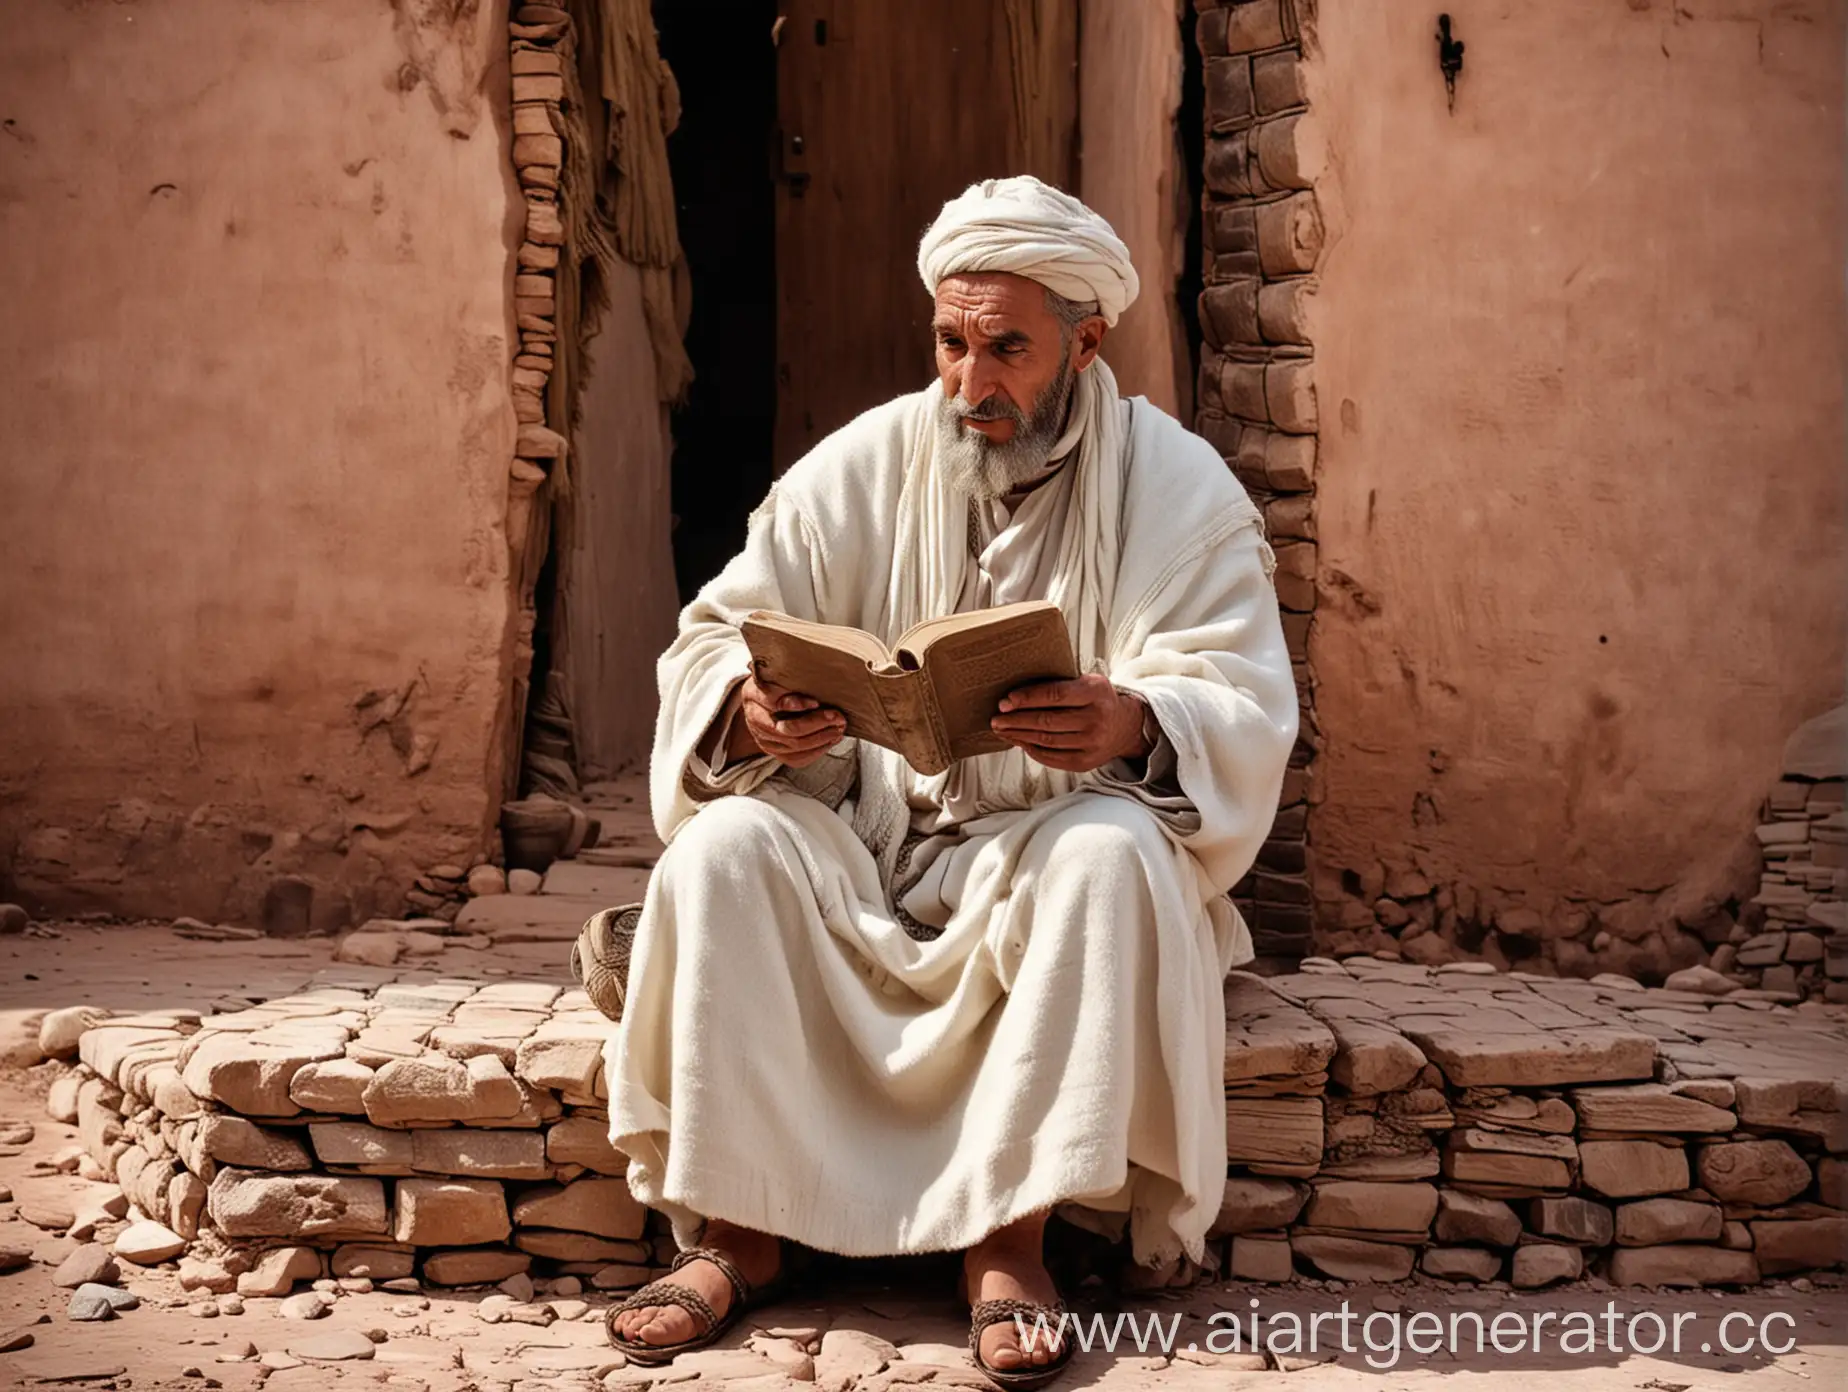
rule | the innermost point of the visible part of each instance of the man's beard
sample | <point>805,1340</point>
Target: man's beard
<point>984,468</point>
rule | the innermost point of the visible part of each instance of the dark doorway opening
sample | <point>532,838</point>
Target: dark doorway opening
<point>720,157</point>
<point>1190,163</point>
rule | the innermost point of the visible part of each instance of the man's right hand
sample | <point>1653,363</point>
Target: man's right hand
<point>807,731</point>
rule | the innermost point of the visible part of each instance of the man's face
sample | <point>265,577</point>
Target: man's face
<point>1007,365</point>
<point>997,345</point>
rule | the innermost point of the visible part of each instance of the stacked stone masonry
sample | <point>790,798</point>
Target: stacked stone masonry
<point>1802,898</point>
<point>450,1127</point>
<point>1256,394</point>
<point>1381,1118</point>
<point>1476,1125</point>
<point>541,45</point>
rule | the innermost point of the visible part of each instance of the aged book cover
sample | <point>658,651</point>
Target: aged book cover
<point>931,695</point>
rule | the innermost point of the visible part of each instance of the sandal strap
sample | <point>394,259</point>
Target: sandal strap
<point>985,1313</point>
<point>741,1288</point>
<point>669,1293</point>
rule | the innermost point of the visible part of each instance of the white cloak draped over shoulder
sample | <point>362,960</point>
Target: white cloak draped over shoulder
<point>819,1045</point>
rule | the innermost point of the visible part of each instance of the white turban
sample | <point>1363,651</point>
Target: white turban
<point>1033,230</point>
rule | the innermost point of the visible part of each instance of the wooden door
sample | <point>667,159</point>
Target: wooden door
<point>887,109</point>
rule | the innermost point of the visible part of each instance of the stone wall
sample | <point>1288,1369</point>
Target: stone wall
<point>454,1129</point>
<point>1385,1118</point>
<point>1381,1118</point>
<point>1579,350</point>
<point>259,425</point>
<point>1256,394</point>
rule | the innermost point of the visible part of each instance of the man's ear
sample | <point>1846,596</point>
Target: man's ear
<point>1086,341</point>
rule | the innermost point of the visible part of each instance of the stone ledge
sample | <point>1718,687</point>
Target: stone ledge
<point>1620,1128</point>
<point>1379,1116</point>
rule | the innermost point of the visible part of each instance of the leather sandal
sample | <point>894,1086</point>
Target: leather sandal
<point>667,1292</point>
<point>1052,1319</point>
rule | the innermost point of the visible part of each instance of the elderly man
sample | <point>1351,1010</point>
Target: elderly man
<point>876,1012</point>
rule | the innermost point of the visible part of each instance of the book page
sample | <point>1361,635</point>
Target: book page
<point>972,665</point>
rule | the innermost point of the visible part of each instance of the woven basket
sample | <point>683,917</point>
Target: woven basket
<point>600,957</point>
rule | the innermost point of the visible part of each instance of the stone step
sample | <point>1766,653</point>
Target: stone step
<point>516,918</point>
<point>1379,1117</point>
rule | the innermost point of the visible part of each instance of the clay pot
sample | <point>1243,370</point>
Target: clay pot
<point>534,832</point>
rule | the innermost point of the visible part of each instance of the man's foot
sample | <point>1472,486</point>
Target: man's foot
<point>1009,1264</point>
<point>758,1257</point>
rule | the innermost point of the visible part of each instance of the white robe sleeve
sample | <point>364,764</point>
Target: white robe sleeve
<point>708,659</point>
<point>1206,649</point>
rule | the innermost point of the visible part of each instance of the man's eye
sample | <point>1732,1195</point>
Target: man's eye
<point>950,343</point>
<point>1010,350</point>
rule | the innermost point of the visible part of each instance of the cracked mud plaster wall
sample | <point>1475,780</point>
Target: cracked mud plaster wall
<point>254,379</point>
<point>1579,360</point>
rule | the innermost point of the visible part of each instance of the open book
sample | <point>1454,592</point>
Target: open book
<point>930,697</point>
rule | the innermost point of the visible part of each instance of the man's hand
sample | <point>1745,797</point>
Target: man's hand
<point>1073,725</point>
<point>807,731</point>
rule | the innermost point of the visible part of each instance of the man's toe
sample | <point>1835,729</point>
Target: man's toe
<point>668,1326</point>
<point>1002,1353</point>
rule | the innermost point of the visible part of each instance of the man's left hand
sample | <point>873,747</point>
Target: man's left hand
<point>1075,725</point>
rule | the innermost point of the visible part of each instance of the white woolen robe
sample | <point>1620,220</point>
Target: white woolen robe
<point>1036,1018</point>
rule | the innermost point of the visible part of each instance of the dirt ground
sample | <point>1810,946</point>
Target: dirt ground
<point>435,1341</point>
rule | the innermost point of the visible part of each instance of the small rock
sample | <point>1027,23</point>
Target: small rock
<point>339,1346</point>
<point>567,1285</point>
<point>277,1361</point>
<point>99,1302</point>
<point>149,1244</point>
<point>278,1269</point>
<point>309,1305</point>
<point>205,1309</point>
<point>402,1285</point>
<point>61,1099</point>
<point>60,1030</point>
<point>89,1265</point>
<point>848,1353</point>
<point>14,1258</point>
<point>569,1309</point>
<point>1701,978</point>
<point>53,1215</point>
<point>484,880</point>
<point>369,949</point>
<point>519,1286</point>
<point>199,1274</point>
<point>232,1304</point>
<point>523,881</point>
<point>13,919</point>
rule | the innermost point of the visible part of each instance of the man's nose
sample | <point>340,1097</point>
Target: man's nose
<point>978,380</point>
